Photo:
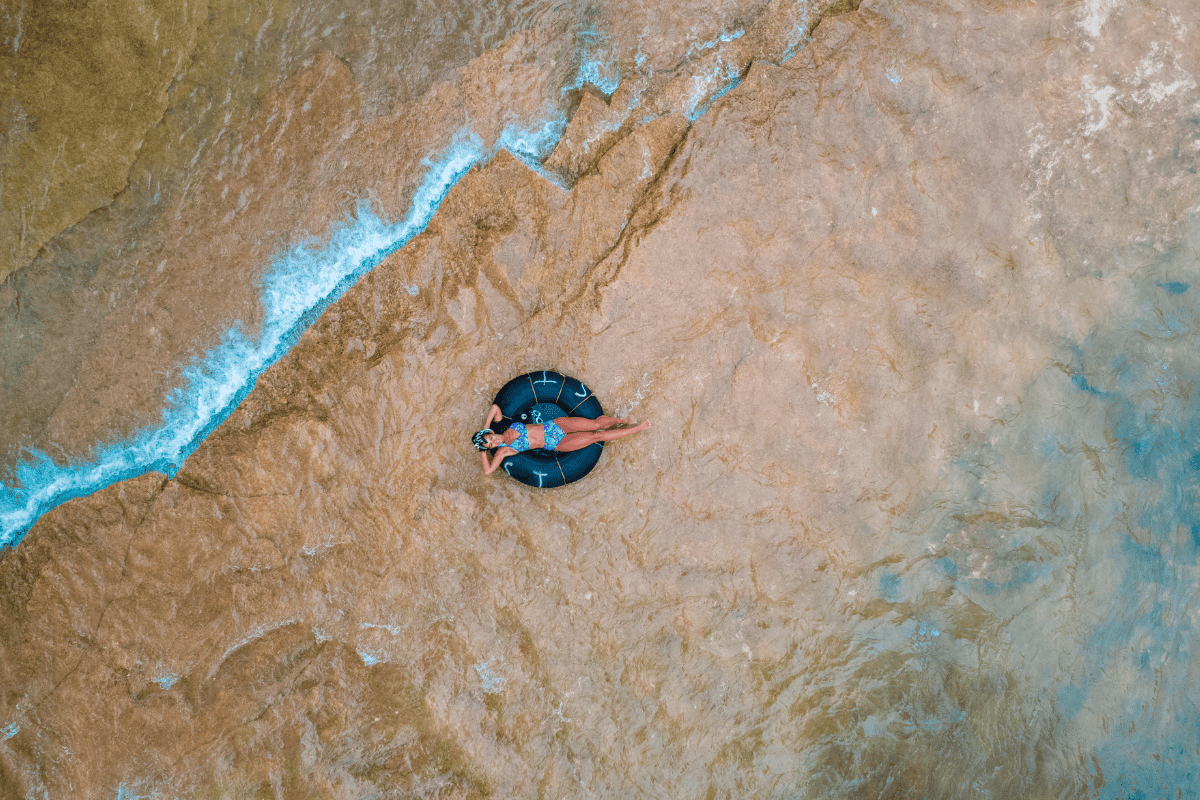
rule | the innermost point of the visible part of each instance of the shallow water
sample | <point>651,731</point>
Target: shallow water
<point>909,307</point>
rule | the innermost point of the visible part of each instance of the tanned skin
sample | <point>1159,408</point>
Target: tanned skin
<point>580,433</point>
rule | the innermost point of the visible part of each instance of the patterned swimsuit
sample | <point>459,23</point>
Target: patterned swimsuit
<point>554,435</point>
<point>521,443</point>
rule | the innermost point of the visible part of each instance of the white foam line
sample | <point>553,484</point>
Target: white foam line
<point>257,632</point>
<point>296,289</point>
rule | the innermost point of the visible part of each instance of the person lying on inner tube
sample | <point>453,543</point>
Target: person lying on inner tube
<point>563,434</point>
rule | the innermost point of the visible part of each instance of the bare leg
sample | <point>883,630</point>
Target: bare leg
<point>582,439</point>
<point>575,424</point>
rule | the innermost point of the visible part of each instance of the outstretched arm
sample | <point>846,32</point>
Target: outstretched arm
<point>501,454</point>
<point>494,413</point>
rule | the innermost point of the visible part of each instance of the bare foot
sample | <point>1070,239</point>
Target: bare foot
<point>641,426</point>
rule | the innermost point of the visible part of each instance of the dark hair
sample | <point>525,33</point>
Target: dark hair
<point>480,439</point>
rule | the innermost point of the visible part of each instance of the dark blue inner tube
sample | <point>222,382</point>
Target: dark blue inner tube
<point>533,399</point>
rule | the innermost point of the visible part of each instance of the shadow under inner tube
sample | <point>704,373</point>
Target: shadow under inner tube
<point>533,399</point>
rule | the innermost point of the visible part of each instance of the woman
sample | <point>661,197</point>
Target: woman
<point>563,434</point>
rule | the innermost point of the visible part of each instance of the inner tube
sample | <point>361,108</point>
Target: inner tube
<point>534,398</point>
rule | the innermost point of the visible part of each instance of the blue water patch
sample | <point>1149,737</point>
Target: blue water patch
<point>1175,773</point>
<point>492,682</point>
<point>9,731</point>
<point>1081,383</point>
<point>1152,420</point>
<point>1023,575</point>
<point>126,792</point>
<point>924,635</point>
<point>1020,576</point>
<point>1107,460</point>
<point>166,681</point>
<point>948,566</point>
<point>1072,696</point>
<point>889,586</point>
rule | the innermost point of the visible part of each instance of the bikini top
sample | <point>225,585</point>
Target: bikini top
<point>521,443</point>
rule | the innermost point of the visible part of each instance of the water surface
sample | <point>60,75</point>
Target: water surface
<point>909,305</point>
